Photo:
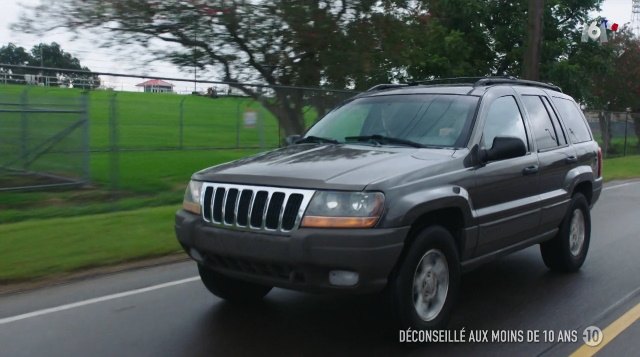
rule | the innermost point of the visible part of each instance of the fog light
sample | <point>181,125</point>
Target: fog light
<point>343,277</point>
<point>196,255</point>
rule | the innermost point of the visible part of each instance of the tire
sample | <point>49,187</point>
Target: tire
<point>426,305</point>
<point>231,289</point>
<point>567,251</point>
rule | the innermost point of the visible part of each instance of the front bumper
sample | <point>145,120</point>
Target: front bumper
<point>300,260</point>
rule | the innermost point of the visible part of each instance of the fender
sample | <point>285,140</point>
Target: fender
<point>405,210</point>
<point>576,176</point>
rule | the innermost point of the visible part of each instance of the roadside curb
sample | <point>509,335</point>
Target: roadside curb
<point>90,273</point>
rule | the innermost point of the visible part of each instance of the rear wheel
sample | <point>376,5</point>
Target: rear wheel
<point>424,288</point>
<point>567,251</point>
<point>229,288</point>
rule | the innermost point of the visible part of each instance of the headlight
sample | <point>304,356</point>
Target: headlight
<point>329,209</point>
<point>191,200</point>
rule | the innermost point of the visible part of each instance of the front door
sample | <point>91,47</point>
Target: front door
<point>505,197</point>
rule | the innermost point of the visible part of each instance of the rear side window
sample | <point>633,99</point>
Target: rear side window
<point>562,139</point>
<point>577,129</point>
<point>543,129</point>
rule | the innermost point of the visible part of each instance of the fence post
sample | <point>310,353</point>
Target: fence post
<point>240,101</point>
<point>85,137</point>
<point>181,144</point>
<point>261,122</point>
<point>24,129</point>
<point>114,160</point>
<point>626,125</point>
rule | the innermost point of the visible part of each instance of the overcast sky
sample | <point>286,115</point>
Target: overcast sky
<point>104,60</point>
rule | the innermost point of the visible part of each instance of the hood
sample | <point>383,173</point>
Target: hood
<point>328,166</point>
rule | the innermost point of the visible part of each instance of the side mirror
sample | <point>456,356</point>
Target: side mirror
<point>291,139</point>
<point>503,148</point>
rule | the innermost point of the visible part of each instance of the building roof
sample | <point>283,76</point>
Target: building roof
<point>154,83</point>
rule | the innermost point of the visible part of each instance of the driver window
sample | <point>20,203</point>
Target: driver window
<point>503,119</point>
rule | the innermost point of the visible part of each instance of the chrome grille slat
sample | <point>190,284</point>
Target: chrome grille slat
<point>282,207</point>
<point>224,204</point>
<point>235,209</point>
<point>220,193</point>
<point>265,210</point>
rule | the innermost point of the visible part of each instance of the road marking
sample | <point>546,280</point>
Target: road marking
<point>609,333</point>
<point>51,310</point>
<point>620,185</point>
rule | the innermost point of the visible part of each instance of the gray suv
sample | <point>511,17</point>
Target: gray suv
<point>399,190</point>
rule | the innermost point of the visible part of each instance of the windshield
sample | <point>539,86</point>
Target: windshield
<point>431,120</point>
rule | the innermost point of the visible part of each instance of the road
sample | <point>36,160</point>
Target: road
<point>166,311</point>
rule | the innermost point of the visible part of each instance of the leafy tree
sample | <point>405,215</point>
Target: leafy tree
<point>343,44</point>
<point>340,44</point>
<point>12,54</point>
<point>46,55</point>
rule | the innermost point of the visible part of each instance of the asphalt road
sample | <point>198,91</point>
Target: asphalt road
<point>166,311</point>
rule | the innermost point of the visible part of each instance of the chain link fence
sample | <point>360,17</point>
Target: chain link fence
<point>66,136</point>
<point>44,140</point>
<point>618,133</point>
<point>58,136</point>
<point>164,121</point>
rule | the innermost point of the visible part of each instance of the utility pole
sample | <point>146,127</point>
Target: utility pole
<point>531,60</point>
<point>635,17</point>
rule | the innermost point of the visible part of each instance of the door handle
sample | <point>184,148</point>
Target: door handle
<point>571,160</point>
<point>530,170</point>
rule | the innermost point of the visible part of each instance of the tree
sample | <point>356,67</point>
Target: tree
<point>51,56</point>
<point>12,54</point>
<point>281,44</point>
<point>343,44</point>
<point>339,44</point>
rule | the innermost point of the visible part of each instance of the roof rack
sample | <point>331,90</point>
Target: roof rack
<point>487,81</point>
<point>386,86</point>
<point>471,81</point>
<point>453,80</point>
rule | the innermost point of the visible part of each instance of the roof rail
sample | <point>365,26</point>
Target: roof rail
<point>472,81</point>
<point>487,81</point>
<point>453,80</point>
<point>385,86</point>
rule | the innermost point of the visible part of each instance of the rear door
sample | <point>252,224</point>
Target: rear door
<point>556,158</point>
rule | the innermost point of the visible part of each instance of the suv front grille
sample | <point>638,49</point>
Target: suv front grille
<point>246,207</point>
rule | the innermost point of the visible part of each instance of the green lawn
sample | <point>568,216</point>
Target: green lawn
<point>40,248</point>
<point>152,120</point>
<point>146,179</point>
<point>621,168</point>
<point>149,121</point>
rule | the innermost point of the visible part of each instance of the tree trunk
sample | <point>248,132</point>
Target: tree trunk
<point>604,119</point>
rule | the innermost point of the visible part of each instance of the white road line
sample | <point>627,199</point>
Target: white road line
<point>620,185</point>
<point>51,310</point>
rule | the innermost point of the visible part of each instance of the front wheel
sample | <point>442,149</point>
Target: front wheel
<point>567,251</point>
<point>231,289</point>
<point>424,288</point>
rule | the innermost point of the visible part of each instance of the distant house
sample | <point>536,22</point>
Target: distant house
<point>156,86</point>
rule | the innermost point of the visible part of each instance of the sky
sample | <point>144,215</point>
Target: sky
<point>105,60</point>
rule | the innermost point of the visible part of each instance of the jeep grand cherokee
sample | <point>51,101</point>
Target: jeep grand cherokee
<point>400,189</point>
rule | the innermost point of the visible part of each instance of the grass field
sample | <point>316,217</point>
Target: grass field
<point>148,121</point>
<point>40,248</point>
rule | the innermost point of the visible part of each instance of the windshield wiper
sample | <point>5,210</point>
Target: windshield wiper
<point>316,139</point>
<point>381,139</point>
